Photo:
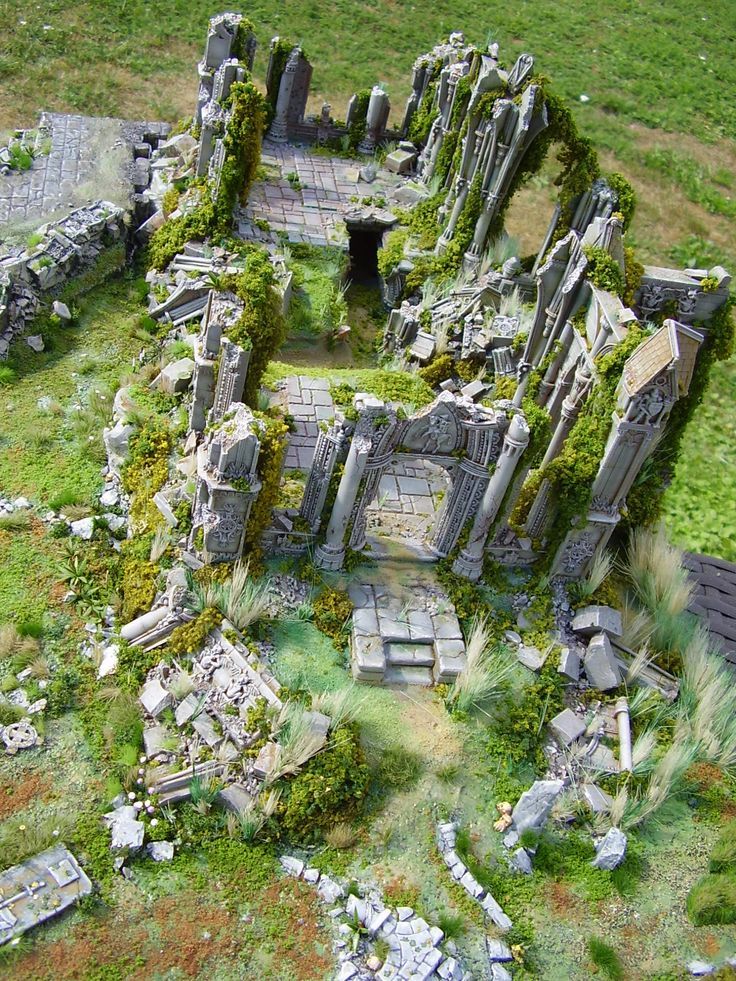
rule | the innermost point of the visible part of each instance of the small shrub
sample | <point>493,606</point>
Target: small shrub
<point>332,611</point>
<point>341,837</point>
<point>7,375</point>
<point>713,900</point>
<point>723,856</point>
<point>17,521</point>
<point>605,959</point>
<point>453,926</point>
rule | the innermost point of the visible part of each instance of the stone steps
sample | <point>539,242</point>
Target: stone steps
<point>405,675</point>
<point>409,655</point>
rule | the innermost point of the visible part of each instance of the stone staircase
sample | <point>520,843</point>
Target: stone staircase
<point>414,642</point>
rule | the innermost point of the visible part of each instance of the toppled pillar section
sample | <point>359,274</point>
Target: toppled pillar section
<point>227,485</point>
<point>293,92</point>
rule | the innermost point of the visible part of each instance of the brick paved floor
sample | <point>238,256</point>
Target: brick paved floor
<point>309,402</point>
<point>314,212</point>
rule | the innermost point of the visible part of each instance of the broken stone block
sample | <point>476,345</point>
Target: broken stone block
<point>116,445</point>
<point>153,740</point>
<point>498,950</point>
<point>499,973</point>
<point>365,622</point>
<point>61,310</point>
<point>204,724</point>
<point>35,343</point>
<point>187,708</point>
<point>127,835</point>
<point>611,851</point>
<point>109,661</point>
<point>531,657</point>
<point>175,377</point>
<point>594,619</point>
<point>154,698</point>
<point>236,798</point>
<point>534,806</point>
<point>267,760</point>
<point>600,663</point>
<point>84,528</point>
<point>328,890</point>
<point>400,161</point>
<point>160,851</point>
<point>567,727</point>
<point>165,509</point>
<point>597,800</point>
<point>521,861</point>
<point>292,866</point>
<point>569,664</point>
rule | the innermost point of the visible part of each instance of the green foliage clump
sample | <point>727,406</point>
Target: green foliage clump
<point>270,457</point>
<point>573,470</point>
<point>261,327</point>
<point>438,370</point>
<point>138,586</point>
<point>626,197</point>
<point>605,959</point>
<point>146,471</point>
<point>392,251</point>
<point>330,788</point>
<point>190,637</point>
<point>713,900</point>
<point>603,270</point>
<point>332,611</point>
<point>213,214</point>
<point>356,130</point>
<point>723,856</point>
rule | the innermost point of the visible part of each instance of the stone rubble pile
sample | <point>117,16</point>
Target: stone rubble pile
<point>414,951</point>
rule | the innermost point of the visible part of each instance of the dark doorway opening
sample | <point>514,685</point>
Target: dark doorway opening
<point>364,245</point>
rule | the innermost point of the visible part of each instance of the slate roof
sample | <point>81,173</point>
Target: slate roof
<point>715,599</point>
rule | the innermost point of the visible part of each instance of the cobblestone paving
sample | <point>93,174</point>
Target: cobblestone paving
<point>314,212</point>
<point>309,402</point>
<point>409,496</point>
<point>80,145</point>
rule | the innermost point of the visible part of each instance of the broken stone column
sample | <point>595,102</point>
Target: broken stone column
<point>227,484</point>
<point>571,407</point>
<point>231,377</point>
<point>376,119</point>
<point>625,758</point>
<point>214,120</point>
<point>331,554</point>
<point>470,561</point>
<point>326,452</point>
<point>279,131</point>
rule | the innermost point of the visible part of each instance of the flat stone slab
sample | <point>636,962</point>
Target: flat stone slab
<point>39,889</point>
<point>413,655</point>
<point>601,668</point>
<point>567,727</point>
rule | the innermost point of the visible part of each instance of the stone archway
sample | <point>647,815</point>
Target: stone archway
<point>452,431</point>
<point>407,508</point>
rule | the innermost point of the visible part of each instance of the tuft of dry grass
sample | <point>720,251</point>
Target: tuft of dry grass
<point>341,837</point>
<point>487,672</point>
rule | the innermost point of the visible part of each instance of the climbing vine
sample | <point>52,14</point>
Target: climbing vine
<point>213,214</point>
<point>273,439</point>
<point>261,327</point>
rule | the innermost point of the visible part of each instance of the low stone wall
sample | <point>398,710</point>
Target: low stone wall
<point>34,275</point>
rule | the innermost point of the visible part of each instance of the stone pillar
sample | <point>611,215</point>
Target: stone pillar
<point>547,385</point>
<point>331,554</point>
<point>279,131</point>
<point>329,444</point>
<point>230,379</point>
<point>571,406</point>
<point>375,120</point>
<point>470,561</point>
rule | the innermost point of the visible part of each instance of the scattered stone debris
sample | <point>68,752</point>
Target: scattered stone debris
<point>446,841</point>
<point>359,920</point>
